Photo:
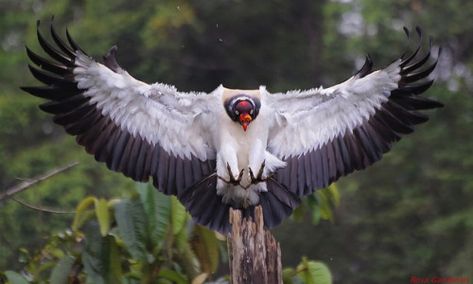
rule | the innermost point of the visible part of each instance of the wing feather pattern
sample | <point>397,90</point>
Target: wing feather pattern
<point>143,131</point>
<point>347,127</point>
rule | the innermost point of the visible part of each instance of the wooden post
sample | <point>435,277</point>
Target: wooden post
<point>255,256</point>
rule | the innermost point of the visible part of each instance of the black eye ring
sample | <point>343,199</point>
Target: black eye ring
<point>232,102</point>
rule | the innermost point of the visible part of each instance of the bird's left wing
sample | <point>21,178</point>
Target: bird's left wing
<point>324,134</point>
<point>138,129</point>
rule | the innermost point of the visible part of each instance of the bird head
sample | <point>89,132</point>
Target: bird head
<point>243,109</point>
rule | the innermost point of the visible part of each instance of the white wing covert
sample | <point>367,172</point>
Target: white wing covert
<point>324,134</point>
<point>138,129</point>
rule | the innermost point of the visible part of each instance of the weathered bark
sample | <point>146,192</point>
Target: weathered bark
<point>255,256</point>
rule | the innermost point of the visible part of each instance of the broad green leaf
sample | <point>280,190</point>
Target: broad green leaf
<point>91,256</point>
<point>101,259</point>
<point>178,215</point>
<point>15,278</point>
<point>188,260</point>
<point>308,207</point>
<point>324,205</point>
<point>173,276</point>
<point>103,215</point>
<point>112,202</point>
<point>130,217</point>
<point>61,271</point>
<point>314,206</point>
<point>328,199</point>
<point>314,272</point>
<point>157,208</point>
<point>206,247</point>
<point>163,216</point>
<point>287,275</point>
<point>82,212</point>
<point>113,269</point>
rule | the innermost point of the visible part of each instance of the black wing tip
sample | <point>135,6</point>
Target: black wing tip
<point>419,65</point>
<point>416,28</point>
<point>406,31</point>
<point>56,49</point>
<point>366,68</point>
<point>72,44</point>
<point>39,92</point>
<point>419,31</point>
<point>27,89</point>
<point>437,104</point>
<point>61,55</point>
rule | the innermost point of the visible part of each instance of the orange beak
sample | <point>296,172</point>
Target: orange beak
<point>245,120</point>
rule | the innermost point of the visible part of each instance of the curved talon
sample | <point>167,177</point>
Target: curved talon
<point>261,169</point>
<point>252,176</point>
<point>259,177</point>
<point>232,179</point>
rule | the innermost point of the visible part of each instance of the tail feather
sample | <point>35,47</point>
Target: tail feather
<point>207,207</point>
<point>278,203</point>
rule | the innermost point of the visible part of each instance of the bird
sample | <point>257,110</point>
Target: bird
<point>231,148</point>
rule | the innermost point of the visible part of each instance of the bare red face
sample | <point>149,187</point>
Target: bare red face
<point>244,110</point>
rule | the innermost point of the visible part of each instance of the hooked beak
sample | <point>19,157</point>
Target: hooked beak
<point>245,120</point>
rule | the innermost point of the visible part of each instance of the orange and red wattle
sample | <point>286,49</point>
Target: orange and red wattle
<point>245,120</point>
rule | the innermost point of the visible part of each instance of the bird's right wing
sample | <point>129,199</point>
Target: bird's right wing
<point>324,134</point>
<point>138,129</point>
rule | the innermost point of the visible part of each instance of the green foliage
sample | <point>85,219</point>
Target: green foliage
<point>132,228</point>
<point>308,272</point>
<point>15,278</point>
<point>205,246</point>
<point>62,269</point>
<point>320,205</point>
<point>117,245</point>
<point>103,215</point>
<point>115,242</point>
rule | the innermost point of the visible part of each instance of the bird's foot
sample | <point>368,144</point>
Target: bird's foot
<point>259,177</point>
<point>232,180</point>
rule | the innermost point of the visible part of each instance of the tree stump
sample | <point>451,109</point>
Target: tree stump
<point>255,256</point>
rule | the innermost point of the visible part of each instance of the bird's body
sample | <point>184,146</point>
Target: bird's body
<point>243,150</point>
<point>231,147</point>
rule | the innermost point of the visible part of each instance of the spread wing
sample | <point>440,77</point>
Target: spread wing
<point>324,134</point>
<point>138,129</point>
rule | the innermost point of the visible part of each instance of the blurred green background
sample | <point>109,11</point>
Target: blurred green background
<point>409,215</point>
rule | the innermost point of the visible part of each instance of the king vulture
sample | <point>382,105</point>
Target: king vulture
<point>231,147</point>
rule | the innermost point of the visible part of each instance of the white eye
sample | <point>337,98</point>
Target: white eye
<point>237,112</point>
<point>251,111</point>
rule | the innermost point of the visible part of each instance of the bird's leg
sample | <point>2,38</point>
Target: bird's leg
<point>232,179</point>
<point>259,177</point>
